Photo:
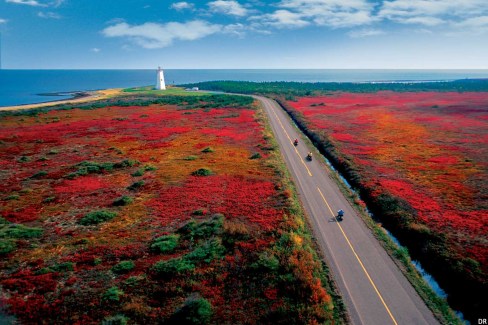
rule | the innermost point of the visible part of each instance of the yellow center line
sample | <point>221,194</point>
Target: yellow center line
<point>286,133</point>
<point>359,260</point>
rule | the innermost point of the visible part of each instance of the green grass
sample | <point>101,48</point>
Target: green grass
<point>169,91</point>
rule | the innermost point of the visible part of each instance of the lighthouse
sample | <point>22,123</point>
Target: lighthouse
<point>160,85</point>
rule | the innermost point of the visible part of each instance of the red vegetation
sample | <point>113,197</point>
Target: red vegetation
<point>86,160</point>
<point>429,149</point>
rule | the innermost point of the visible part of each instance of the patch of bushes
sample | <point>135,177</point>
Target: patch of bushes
<point>49,199</point>
<point>39,174</point>
<point>256,155</point>
<point>135,186</point>
<point>90,167</point>
<point>122,201</point>
<point>64,267</point>
<point>112,294</point>
<point>115,320</point>
<point>96,217</point>
<point>204,229</point>
<point>148,168</point>
<point>123,267</point>
<point>17,231</point>
<point>165,244</point>
<point>173,266</point>
<point>190,158</point>
<point>138,172</point>
<point>207,150</point>
<point>195,310</point>
<point>266,261</point>
<point>202,172</point>
<point>7,246</point>
<point>207,252</point>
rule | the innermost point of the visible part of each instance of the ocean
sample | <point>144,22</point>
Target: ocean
<point>19,87</point>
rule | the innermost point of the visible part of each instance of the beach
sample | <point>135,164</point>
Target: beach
<point>81,97</point>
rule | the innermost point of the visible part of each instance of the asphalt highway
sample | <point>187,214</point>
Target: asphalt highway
<point>373,288</point>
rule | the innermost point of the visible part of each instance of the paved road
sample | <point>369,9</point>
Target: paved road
<point>374,290</point>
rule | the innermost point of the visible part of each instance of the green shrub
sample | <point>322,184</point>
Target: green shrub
<point>165,244</point>
<point>195,310</point>
<point>134,280</point>
<point>12,197</point>
<point>97,217</point>
<point>135,186</point>
<point>115,320</point>
<point>202,172</point>
<point>6,246</point>
<point>267,261</point>
<point>23,159</point>
<point>39,174</point>
<point>173,266</point>
<point>199,212</point>
<point>138,172</point>
<point>122,201</point>
<point>204,229</point>
<point>64,267</point>
<point>123,267</point>
<point>207,252</point>
<point>256,155</point>
<point>53,152</point>
<point>112,294</point>
<point>189,158</point>
<point>207,150</point>
<point>17,231</point>
<point>148,168</point>
<point>49,199</point>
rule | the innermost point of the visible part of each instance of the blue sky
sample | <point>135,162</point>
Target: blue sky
<point>113,34</point>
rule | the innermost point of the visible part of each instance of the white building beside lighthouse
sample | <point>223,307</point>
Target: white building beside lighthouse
<point>160,84</point>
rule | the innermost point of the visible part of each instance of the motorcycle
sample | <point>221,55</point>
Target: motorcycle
<point>309,156</point>
<point>295,143</point>
<point>340,215</point>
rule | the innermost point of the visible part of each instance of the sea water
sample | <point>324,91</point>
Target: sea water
<point>19,87</point>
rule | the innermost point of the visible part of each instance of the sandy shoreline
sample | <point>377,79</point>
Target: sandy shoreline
<point>82,97</point>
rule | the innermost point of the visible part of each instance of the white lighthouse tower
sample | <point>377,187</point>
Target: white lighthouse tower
<point>160,85</point>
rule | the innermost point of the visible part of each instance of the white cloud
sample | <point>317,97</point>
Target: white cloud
<point>95,50</point>
<point>432,12</point>
<point>48,15</point>
<point>228,7</point>
<point>3,21</point>
<point>282,19</point>
<point>331,13</point>
<point>365,33</point>
<point>182,5</point>
<point>36,3</point>
<point>152,35</point>
<point>33,3</point>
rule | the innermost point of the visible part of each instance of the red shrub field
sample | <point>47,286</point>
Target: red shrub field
<point>420,160</point>
<point>154,213</point>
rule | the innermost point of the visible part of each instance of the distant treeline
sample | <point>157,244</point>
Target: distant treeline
<point>314,88</point>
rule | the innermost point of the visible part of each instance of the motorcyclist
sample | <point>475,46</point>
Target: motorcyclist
<point>340,214</point>
<point>295,142</point>
<point>309,155</point>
